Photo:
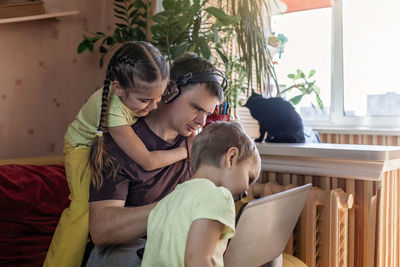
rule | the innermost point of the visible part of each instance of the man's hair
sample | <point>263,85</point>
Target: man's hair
<point>214,141</point>
<point>191,62</point>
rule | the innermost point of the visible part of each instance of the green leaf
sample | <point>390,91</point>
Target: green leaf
<point>122,18</point>
<point>91,47</point>
<point>121,25</point>
<point>300,74</point>
<point>204,48</point>
<point>95,39</point>
<point>222,56</point>
<point>319,101</point>
<point>133,13</point>
<point>100,33</point>
<point>82,46</point>
<point>171,5</point>
<point>86,38</point>
<point>222,17</point>
<point>103,50</point>
<point>295,100</point>
<point>131,5</point>
<point>291,76</point>
<point>120,12</point>
<point>215,34</point>
<point>109,41</point>
<point>176,51</point>
<point>138,4</point>
<point>312,72</point>
<point>119,6</point>
<point>162,17</point>
<point>316,89</point>
<point>141,23</point>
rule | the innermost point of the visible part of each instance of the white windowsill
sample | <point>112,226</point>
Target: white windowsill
<point>334,160</point>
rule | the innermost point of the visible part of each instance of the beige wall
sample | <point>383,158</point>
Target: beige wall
<point>43,80</point>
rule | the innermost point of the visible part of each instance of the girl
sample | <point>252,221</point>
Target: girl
<point>136,77</point>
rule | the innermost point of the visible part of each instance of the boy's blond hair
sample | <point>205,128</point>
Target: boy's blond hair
<point>215,140</point>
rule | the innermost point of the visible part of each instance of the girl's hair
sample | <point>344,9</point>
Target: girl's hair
<point>134,61</point>
<point>214,141</point>
<point>191,62</point>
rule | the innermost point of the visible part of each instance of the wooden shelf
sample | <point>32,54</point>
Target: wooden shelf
<point>42,16</point>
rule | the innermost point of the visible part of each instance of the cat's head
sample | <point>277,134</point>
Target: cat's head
<point>253,96</point>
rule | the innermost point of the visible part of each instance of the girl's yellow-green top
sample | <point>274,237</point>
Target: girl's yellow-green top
<point>81,131</point>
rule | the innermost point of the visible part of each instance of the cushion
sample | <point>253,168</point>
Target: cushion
<point>32,199</point>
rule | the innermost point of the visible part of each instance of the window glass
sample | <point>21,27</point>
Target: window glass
<point>308,47</point>
<point>371,56</point>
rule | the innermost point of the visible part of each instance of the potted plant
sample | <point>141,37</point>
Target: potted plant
<point>193,26</point>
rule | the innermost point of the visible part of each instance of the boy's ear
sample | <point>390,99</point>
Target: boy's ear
<point>118,90</point>
<point>231,157</point>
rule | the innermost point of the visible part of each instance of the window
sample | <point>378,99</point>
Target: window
<point>371,40</point>
<point>353,47</point>
<point>308,47</point>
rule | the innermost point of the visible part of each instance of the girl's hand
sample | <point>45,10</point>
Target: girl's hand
<point>188,144</point>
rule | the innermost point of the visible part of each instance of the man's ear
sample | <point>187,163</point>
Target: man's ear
<point>118,90</point>
<point>231,157</point>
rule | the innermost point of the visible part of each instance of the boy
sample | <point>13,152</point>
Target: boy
<point>191,226</point>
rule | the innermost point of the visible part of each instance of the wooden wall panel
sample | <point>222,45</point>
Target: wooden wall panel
<point>361,139</point>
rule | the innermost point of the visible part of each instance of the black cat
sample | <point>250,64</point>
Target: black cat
<point>278,118</point>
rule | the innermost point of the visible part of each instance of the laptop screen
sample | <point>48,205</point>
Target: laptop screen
<point>263,227</point>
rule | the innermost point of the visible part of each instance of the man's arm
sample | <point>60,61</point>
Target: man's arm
<point>201,242</point>
<point>112,223</point>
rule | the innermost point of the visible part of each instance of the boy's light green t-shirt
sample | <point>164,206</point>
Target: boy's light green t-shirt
<point>81,131</point>
<point>169,222</point>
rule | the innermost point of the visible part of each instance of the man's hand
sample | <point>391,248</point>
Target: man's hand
<point>110,222</point>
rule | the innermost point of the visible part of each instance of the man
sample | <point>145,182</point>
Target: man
<point>118,211</point>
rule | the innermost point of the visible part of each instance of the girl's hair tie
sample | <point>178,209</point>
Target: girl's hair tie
<point>99,133</point>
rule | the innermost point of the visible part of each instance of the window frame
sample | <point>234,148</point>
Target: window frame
<point>337,117</point>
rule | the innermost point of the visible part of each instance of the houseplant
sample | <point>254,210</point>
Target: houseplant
<point>133,17</point>
<point>251,35</point>
<point>302,83</point>
<point>191,26</point>
<point>186,25</point>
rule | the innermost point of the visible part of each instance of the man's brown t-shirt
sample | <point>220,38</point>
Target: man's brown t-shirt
<point>134,185</point>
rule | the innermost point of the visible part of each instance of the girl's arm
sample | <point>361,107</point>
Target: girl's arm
<point>132,145</point>
<point>202,240</point>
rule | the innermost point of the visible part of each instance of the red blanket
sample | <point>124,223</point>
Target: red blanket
<point>32,199</point>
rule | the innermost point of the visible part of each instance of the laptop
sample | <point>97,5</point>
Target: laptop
<point>264,226</point>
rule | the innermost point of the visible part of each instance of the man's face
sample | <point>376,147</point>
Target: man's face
<point>190,109</point>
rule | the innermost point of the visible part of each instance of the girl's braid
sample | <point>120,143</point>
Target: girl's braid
<point>99,159</point>
<point>104,104</point>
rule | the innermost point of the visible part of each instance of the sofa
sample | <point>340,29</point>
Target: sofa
<point>33,194</point>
